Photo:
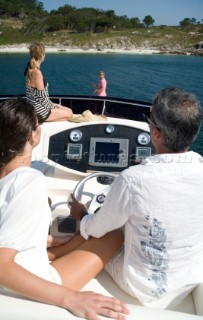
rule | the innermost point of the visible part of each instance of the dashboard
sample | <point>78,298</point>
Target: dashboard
<point>100,147</point>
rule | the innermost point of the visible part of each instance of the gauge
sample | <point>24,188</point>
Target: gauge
<point>75,135</point>
<point>143,138</point>
<point>100,198</point>
<point>110,128</point>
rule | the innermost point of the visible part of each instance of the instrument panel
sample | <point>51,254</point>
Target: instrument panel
<point>100,147</point>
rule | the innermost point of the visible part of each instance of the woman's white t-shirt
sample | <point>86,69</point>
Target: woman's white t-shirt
<point>25,217</point>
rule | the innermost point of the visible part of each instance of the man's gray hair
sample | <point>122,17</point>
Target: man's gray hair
<point>178,115</point>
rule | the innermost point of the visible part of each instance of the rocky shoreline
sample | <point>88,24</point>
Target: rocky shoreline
<point>24,48</point>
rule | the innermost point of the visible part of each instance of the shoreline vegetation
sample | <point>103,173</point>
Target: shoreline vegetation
<point>15,38</point>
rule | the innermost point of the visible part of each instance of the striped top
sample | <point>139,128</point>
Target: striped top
<point>41,101</point>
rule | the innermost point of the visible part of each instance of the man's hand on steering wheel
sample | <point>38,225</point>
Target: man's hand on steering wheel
<point>77,209</point>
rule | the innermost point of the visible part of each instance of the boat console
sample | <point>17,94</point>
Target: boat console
<point>72,155</point>
<point>110,146</point>
<point>68,152</point>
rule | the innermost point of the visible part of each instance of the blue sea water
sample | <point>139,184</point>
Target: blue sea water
<point>128,75</point>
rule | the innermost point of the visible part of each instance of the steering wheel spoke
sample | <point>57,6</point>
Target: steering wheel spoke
<point>98,196</point>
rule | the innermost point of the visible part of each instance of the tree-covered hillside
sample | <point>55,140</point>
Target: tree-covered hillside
<point>20,8</point>
<point>37,20</point>
<point>24,21</point>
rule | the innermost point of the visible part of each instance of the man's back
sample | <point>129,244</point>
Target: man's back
<point>164,230</point>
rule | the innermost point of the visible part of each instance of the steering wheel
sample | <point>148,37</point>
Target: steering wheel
<point>97,199</point>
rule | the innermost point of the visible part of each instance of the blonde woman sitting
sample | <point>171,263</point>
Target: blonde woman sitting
<point>37,89</point>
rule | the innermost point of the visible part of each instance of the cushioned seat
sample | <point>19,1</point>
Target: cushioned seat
<point>13,307</point>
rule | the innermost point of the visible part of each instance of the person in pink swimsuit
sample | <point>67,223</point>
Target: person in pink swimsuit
<point>101,87</point>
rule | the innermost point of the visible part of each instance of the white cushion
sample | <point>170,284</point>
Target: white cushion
<point>13,307</point>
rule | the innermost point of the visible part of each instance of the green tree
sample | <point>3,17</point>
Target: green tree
<point>110,14</point>
<point>135,22</point>
<point>185,22</point>
<point>15,8</point>
<point>193,21</point>
<point>65,10</point>
<point>148,21</point>
<point>55,23</point>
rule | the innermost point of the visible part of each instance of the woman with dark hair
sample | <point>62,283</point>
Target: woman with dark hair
<point>52,275</point>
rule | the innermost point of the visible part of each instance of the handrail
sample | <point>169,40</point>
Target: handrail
<point>104,99</point>
<point>85,98</point>
<point>109,106</point>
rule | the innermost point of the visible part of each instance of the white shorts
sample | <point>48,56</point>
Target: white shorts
<point>55,275</point>
<point>115,269</point>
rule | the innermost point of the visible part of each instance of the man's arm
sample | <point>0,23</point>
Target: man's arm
<point>113,214</point>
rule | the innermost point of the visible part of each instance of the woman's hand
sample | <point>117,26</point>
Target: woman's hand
<point>89,305</point>
<point>55,241</point>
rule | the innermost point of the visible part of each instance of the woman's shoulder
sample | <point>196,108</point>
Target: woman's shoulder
<point>27,176</point>
<point>23,176</point>
<point>27,172</point>
<point>37,80</point>
<point>36,72</point>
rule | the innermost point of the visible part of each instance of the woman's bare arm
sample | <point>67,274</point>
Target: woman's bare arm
<point>83,304</point>
<point>37,79</point>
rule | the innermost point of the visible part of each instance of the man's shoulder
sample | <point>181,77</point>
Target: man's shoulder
<point>133,172</point>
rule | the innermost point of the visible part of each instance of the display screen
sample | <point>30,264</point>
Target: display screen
<point>143,152</point>
<point>74,151</point>
<point>107,152</point>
